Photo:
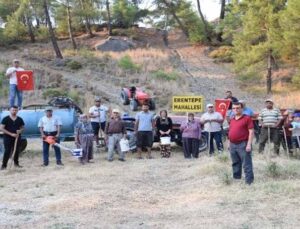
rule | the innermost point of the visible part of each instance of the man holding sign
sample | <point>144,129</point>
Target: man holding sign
<point>11,73</point>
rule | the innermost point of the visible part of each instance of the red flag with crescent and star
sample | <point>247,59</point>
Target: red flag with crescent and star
<point>221,106</point>
<point>25,80</point>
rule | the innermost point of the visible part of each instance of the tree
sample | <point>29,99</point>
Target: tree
<point>51,31</point>
<point>109,28</point>
<point>256,47</point>
<point>203,21</point>
<point>222,16</point>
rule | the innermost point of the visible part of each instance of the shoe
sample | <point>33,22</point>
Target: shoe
<point>60,163</point>
<point>150,157</point>
<point>110,160</point>
<point>122,159</point>
<point>18,166</point>
<point>3,167</point>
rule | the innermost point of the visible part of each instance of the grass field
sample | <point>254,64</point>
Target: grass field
<point>158,193</point>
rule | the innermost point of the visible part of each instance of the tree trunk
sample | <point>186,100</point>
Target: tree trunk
<point>204,21</point>
<point>51,32</point>
<point>222,16</point>
<point>184,30</point>
<point>70,26</point>
<point>269,73</point>
<point>30,30</point>
<point>109,19</point>
<point>87,21</point>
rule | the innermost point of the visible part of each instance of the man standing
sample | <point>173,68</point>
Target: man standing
<point>50,125</point>
<point>231,98</point>
<point>144,123</point>
<point>240,137</point>
<point>115,131</point>
<point>12,126</point>
<point>11,73</point>
<point>212,126</point>
<point>97,114</point>
<point>270,119</point>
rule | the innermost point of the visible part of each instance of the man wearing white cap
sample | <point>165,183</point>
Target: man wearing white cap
<point>212,128</point>
<point>270,119</point>
<point>11,73</point>
<point>115,130</point>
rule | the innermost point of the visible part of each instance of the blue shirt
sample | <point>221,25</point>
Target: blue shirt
<point>246,111</point>
<point>145,120</point>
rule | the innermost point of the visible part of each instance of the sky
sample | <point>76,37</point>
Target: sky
<point>210,8</point>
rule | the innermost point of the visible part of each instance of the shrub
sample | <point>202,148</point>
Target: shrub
<point>74,95</point>
<point>42,33</point>
<point>161,74</point>
<point>273,169</point>
<point>126,63</point>
<point>74,65</point>
<point>223,157</point>
<point>54,92</point>
<point>15,30</point>
<point>226,177</point>
<point>223,54</point>
<point>296,80</point>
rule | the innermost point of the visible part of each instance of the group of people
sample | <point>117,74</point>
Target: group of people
<point>87,130</point>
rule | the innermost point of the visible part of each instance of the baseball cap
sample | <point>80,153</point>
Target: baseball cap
<point>16,60</point>
<point>209,105</point>
<point>49,109</point>
<point>115,111</point>
<point>97,99</point>
<point>269,100</point>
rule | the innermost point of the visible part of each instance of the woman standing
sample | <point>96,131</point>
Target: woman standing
<point>164,128</point>
<point>84,137</point>
<point>191,133</point>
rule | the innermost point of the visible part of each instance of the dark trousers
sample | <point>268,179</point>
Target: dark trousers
<point>46,149</point>
<point>217,136</point>
<point>274,137</point>
<point>295,142</point>
<point>240,158</point>
<point>190,147</point>
<point>9,143</point>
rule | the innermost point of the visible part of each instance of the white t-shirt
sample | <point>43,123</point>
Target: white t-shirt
<point>96,110</point>
<point>49,124</point>
<point>13,77</point>
<point>211,126</point>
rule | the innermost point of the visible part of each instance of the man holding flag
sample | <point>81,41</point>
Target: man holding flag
<point>11,73</point>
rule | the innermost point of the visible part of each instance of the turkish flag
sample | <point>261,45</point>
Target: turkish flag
<point>25,80</point>
<point>221,106</point>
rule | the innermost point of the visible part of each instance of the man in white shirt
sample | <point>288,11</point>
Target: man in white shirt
<point>11,73</point>
<point>50,125</point>
<point>213,128</point>
<point>97,114</point>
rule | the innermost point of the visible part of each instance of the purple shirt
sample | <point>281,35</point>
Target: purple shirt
<point>191,129</point>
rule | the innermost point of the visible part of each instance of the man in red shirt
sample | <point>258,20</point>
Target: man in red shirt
<point>240,135</point>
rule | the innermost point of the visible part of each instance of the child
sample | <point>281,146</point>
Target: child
<point>296,130</point>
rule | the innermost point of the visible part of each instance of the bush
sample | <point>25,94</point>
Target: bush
<point>54,92</point>
<point>223,54</point>
<point>161,74</point>
<point>296,80</point>
<point>226,177</point>
<point>42,33</point>
<point>74,95</point>
<point>74,65</point>
<point>273,170</point>
<point>223,157</point>
<point>15,30</point>
<point>127,64</point>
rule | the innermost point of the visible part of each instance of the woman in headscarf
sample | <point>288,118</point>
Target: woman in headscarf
<point>84,137</point>
<point>191,133</point>
<point>164,128</point>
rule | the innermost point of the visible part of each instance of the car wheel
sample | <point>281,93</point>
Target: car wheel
<point>124,98</point>
<point>133,105</point>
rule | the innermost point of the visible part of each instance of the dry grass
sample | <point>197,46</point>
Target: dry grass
<point>288,100</point>
<point>158,193</point>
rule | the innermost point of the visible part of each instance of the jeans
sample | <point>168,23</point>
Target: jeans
<point>114,143</point>
<point>217,136</point>
<point>240,158</point>
<point>46,150</point>
<point>13,92</point>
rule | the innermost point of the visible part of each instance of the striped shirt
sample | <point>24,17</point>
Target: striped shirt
<point>270,117</point>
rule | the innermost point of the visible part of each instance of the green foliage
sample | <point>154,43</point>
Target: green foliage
<point>126,63</point>
<point>42,33</point>
<point>14,30</point>
<point>296,80</point>
<point>54,92</point>
<point>124,13</point>
<point>223,53</point>
<point>226,177</point>
<point>168,76</point>
<point>223,157</point>
<point>273,170</point>
<point>74,95</point>
<point>74,65</point>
